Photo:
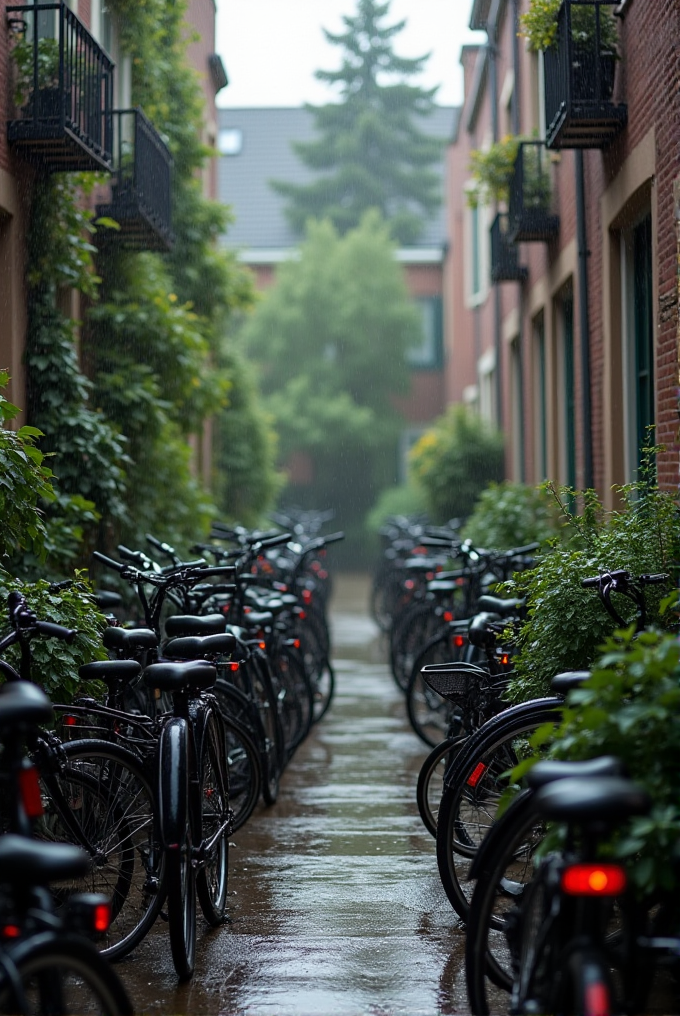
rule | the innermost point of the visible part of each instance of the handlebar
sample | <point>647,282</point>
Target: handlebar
<point>118,566</point>
<point>56,631</point>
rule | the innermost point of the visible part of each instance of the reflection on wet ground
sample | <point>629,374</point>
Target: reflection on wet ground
<point>336,903</point>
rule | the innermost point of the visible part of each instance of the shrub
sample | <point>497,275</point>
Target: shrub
<point>509,515</point>
<point>454,461</point>
<point>566,623</point>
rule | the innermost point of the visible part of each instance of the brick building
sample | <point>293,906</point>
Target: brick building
<point>561,321</point>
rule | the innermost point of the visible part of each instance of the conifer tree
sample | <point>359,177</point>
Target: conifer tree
<point>371,151</point>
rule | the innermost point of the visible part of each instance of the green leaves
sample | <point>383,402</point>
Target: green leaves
<point>509,515</point>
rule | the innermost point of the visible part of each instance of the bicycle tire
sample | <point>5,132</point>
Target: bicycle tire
<point>430,784</point>
<point>108,792</point>
<point>323,690</point>
<point>211,814</point>
<point>410,632</point>
<point>63,975</point>
<point>429,714</point>
<point>174,766</point>
<point>508,851</point>
<point>474,785</point>
<point>245,772</point>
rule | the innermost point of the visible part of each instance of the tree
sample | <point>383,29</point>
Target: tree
<point>330,339</point>
<point>371,152</point>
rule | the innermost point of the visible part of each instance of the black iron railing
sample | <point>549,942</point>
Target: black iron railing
<point>61,89</point>
<point>530,216</point>
<point>579,72</point>
<point>141,191</point>
<point>505,266</point>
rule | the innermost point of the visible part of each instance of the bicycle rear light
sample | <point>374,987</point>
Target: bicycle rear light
<point>89,913</point>
<point>233,666</point>
<point>10,931</point>
<point>594,880</point>
<point>29,788</point>
<point>307,596</point>
<point>476,774</point>
<point>448,615</point>
<point>409,584</point>
<point>101,917</point>
<point>70,721</point>
<point>458,641</point>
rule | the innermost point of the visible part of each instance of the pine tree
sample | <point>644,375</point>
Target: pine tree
<point>372,151</point>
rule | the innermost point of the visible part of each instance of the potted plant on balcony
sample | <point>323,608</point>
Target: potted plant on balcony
<point>37,95</point>
<point>492,170</point>
<point>539,26</point>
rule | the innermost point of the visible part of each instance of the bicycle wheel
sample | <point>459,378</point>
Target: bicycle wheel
<point>431,780</point>
<point>62,975</point>
<point>213,823</point>
<point>101,799</point>
<point>323,689</point>
<point>502,871</point>
<point>290,672</point>
<point>474,786</point>
<point>245,773</point>
<point>428,712</point>
<point>416,626</point>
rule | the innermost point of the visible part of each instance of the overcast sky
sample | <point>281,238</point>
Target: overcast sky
<point>271,48</point>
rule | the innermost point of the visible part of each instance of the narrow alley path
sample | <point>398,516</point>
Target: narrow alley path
<point>337,907</point>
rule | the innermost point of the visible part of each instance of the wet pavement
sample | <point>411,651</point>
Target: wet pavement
<point>335,901</point>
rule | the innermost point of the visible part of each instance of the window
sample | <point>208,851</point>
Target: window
<point>517,410</point>
<point>540,403</point>
<point>638,337</point>
<point>477,255</point>
<point>230,141</point>
<point>567,409</point>
<point>487,386</point>
<point>428,355</point>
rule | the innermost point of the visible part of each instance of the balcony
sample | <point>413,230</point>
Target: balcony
<point>61,90</point>
<point>579,75</point>
<point>530,218</point>
<point>505,266</point>
<point>141,187</point>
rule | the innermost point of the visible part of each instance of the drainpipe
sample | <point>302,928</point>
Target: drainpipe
<point>516,107</point>
<point>515,68</point>
<point>583,252</point>
<point>492,35</point>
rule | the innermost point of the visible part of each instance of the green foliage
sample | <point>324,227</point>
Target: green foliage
<point>406,499</point>
<point>330,339</point>
<point>454,461</point>
<point>492,169</point>
<point>23,55</point>
<point>539,25</point>
<point>373,150</point>
<point>566,623</point>
<point>24,482</point>
<point>630,708</point>
<point>509,515</point>
<point>55,664</point>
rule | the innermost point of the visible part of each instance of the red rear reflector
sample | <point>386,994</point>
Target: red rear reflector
<point>70,721</point>
<point>429,576</point>
<point>10,931</point>
<point>247,610</point>
<point>597,1001</point>
<point>307,596</point>
<point>101,918</point>
<point>29,788</point>
<point>296,643</point>
<point>262,645</point>
<point>302,615</point>
<point>594,880</point>
<point>505,659</point>
<point>458,641</point>
<point>409,584</point>
<point>448,615</point>
<point>233,666</point>
<point>476,774</point>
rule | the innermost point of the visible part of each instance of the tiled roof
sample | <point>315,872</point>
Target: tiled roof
<point>265,154</point>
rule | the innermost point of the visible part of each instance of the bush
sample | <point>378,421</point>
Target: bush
<point>454,461</point>
<point>566,623</point>
<point>509,515</point>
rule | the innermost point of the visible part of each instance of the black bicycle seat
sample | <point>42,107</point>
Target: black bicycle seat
<point>188,624</point>
<point>506,608</point>
<point>552,769</point>
<point>175,677</point>
<point>563,683</point>
<point>28,862</point>
<point>23,704</point>
<point>195,648</point>
<point>110,670</point>
<point>126,639</point>
<point>595,799</point>
<point>479,633</point>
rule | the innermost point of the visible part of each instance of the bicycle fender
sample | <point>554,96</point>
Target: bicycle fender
<point>173,782</point>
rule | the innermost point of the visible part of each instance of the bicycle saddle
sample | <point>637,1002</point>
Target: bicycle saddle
<point>188,624</point>
<point>175,677</point>
<point>125,639</point>
<point>110,670</point>
<point>23,704</point>
<point>506,608</point>
<point>479,634</point>
<point>28,862</point>
<point>563,683</point>
<point>194,647</point>
<point>595,799</point>
<point>552,769</point>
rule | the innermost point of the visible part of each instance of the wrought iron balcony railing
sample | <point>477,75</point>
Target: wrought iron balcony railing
<point>579,77</point>
<point>505,266</point>
<point>530,216</point>
<point>61,90</point>
<point>141,188</point>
